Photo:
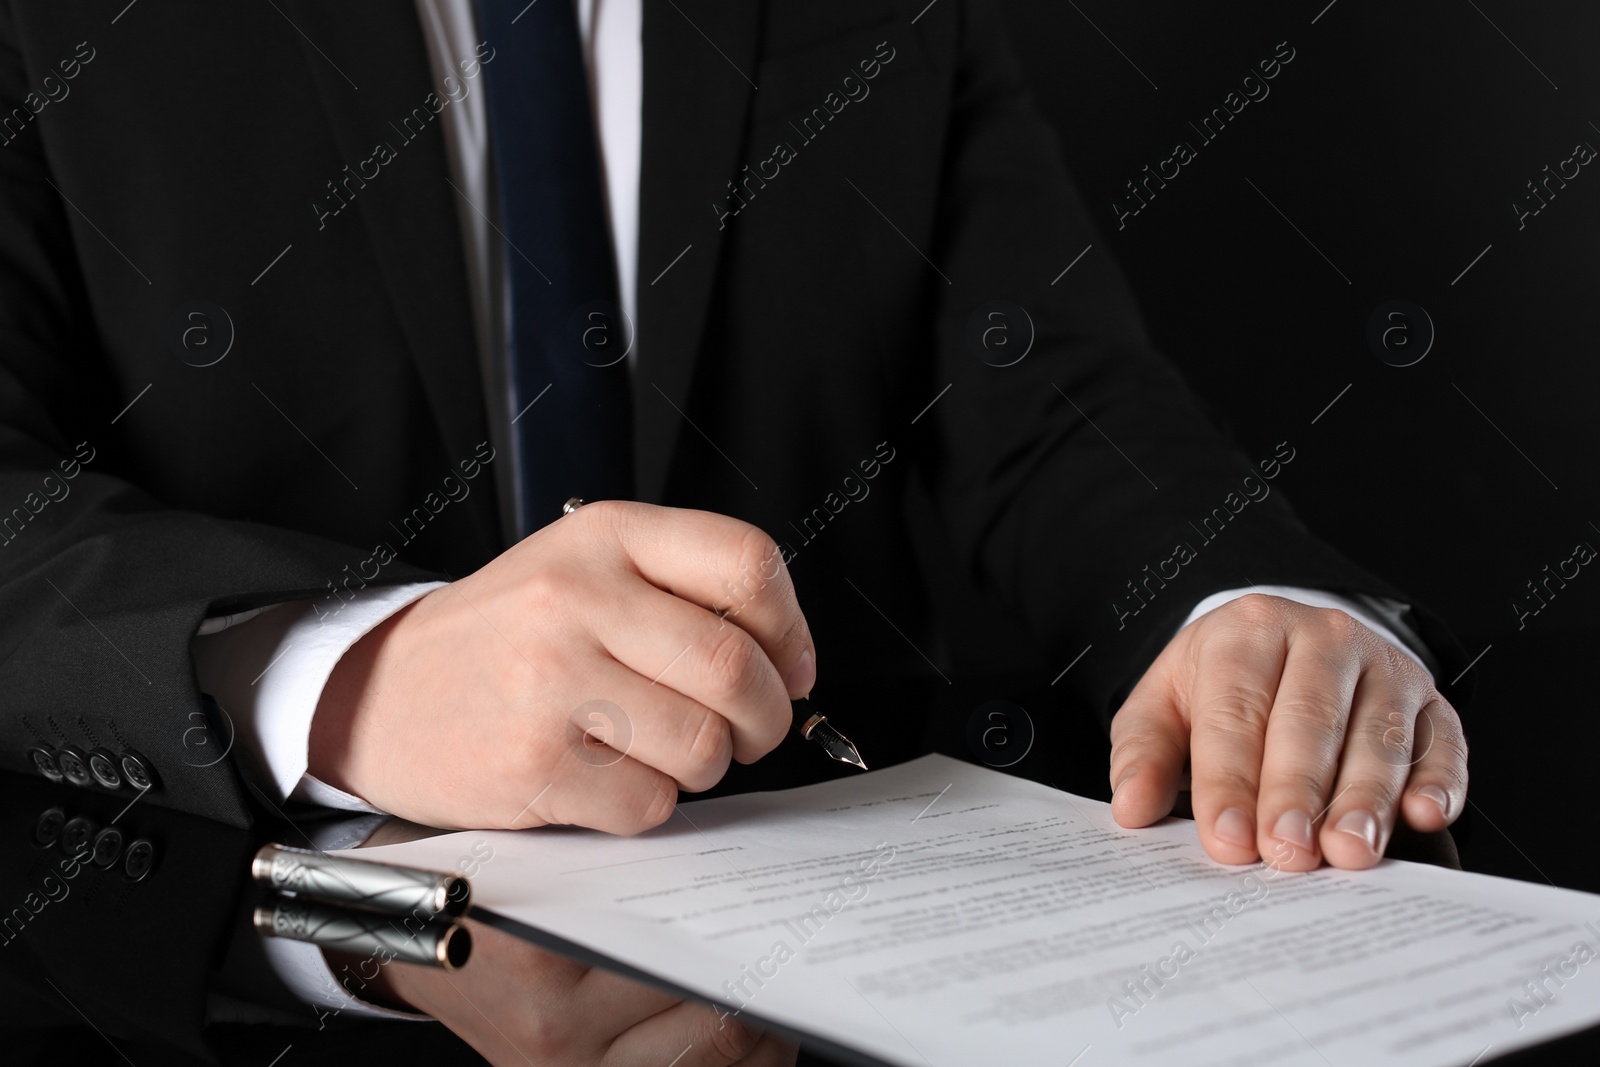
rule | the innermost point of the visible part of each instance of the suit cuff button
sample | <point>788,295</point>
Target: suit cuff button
<point>107,847</point>
<point>74,765</point>
<point>138,860</point>
<point>76,835</point>
<point>44,761</point>
<point>47,831</point>
<point>103,765</point>
<point>137,770</point>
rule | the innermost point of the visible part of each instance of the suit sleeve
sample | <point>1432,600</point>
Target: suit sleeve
<point>102,585</point>
<point>1082,481</point>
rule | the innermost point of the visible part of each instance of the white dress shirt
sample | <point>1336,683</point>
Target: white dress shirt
<point>267,670</point>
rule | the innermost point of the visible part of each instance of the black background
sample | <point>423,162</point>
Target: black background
<point>1396,142</point>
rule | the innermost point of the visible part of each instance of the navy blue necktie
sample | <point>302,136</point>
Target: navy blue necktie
<point>569,376</point>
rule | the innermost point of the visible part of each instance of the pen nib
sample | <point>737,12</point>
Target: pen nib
<point>835,744</point>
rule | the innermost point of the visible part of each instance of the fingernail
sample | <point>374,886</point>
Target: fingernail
<point>803,675</point>
<point>1294,827</point>
<point>1236,828</point>
<point>1360,824</point>
<point>1127,774</point>
<point>1438,796</point>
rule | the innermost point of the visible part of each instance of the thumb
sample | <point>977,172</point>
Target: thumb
<point>1149,747</point>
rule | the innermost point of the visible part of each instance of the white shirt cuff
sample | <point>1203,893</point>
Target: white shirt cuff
<point>1382,615</point>
<point>267,675</point>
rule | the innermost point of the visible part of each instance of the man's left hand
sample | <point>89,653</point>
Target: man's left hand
<point>1305,733</point>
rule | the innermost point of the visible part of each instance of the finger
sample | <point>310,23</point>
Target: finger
<point>1235,681</point>
<point>659,727</point>
<point>1372,770</point>
<point>697,1035</point>
<point>1305,734</point>
<point>722,564</point>
<point>623,1003</point>
<point>1437,788</point>
<point>667,642</point>
<point>572,780</point>
<point>1149,746</point>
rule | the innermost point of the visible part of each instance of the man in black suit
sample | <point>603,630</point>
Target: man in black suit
<point>216,401</point>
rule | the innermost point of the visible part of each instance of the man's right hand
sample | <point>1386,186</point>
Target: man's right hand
<point>481,704</point>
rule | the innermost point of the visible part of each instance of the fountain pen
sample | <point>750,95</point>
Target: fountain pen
<point>817,729</point>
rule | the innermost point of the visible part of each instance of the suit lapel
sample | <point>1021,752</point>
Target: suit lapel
<point>695,106</point>
<point>412,225</point>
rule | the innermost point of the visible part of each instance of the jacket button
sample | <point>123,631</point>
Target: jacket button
<point>74,765</point>
<point>76,835</point>
<point>44,761</point>
<point>47,831</point>
<point>103,765</point>
<point>138,860</point>
<point>137,770</point>
<point>107,847</point>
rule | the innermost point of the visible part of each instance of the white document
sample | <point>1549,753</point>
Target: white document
<point>938,914</point>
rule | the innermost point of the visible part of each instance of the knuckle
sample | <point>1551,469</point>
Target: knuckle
<point>1446,737</point>
<point>1303,783</point>
<point>546,1037</point>
<point>1396,749</point>
<point>550,585</point>
<point>1339,626</point>
<point>1391,664</point>
<point>611,516</point>
<point>1311,713</point>
<point>1237,707</point>
<point>1452,778</point>
<point>603,528</point>
<point>1128,730</point>
<point>1388,726</point>
<point>710,751</point>
<point>1258,609</point>
<point>731,1039</point>
<point>1133,741</point>
<point>1225,782</point>
<point>657,808</point>
<point>753,551</point>
<point>1453,745</point>
<point>758,574</point>
<point>731,666</point>
<point>1395,664</point>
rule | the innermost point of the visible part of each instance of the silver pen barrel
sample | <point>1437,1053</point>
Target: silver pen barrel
<point>433,943</point>
<point>376,887</point>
